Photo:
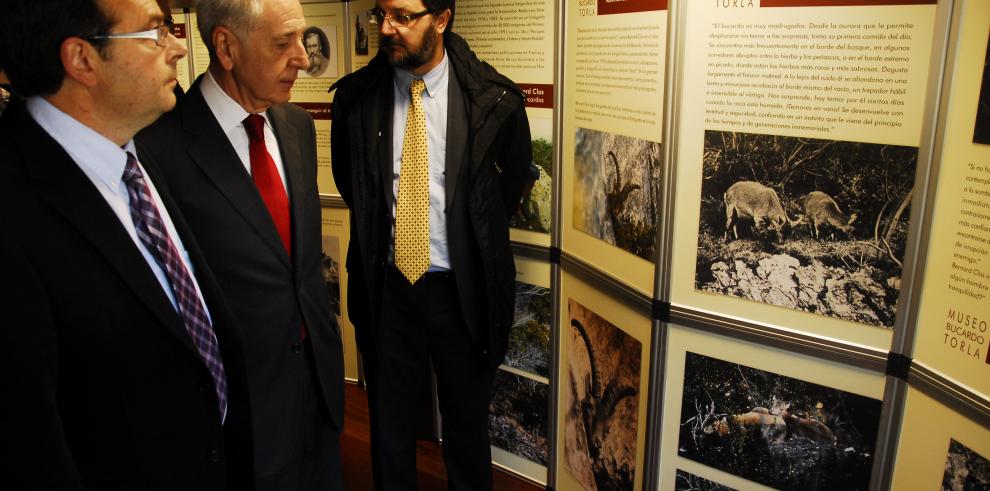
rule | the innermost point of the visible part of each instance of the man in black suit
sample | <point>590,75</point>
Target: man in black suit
<point>430,150</point>
<point>119,364</point>
<point>245,160</point>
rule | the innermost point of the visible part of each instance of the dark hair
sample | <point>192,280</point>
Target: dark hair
<point>437,6</point>
<point>31,36</point>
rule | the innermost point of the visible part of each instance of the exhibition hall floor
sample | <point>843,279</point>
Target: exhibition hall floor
<point>432,477</point>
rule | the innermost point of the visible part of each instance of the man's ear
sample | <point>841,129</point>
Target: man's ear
<point>227,46</point>
<point>80,60</point>
<point>442,19</point>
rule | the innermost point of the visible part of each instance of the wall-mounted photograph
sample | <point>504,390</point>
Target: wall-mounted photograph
<point>321,50</point>
<point>617,190</point>
<point>535,212</point>
<point>529,339</point>
<point>518,416</point>
<point>965,470</point>
<point>981,131</point>
<point>600,423</point>
<point>808,224</point>
<point>776,430</point>
<point>685,481</point>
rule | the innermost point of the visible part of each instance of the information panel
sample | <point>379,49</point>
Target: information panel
<point>737,415</point>
<point>939,449</point>
<point>798,129</point>
<point>517,38</point>
<point>952,336</point>
<point>180,29</point>
<point>519,421</point>
<point>336,238</point>
<point>614,59</point>
<point>604,389</point>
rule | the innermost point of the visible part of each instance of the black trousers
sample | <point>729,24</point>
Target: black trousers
<point>318,465</point>
<point>422,324</point>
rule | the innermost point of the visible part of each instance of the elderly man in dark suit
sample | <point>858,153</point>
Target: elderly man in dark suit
<point>119,364</point>
<point>245,160</point>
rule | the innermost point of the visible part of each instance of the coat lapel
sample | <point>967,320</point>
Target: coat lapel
<point>210,149</point>
<point>457,137</point>
<point>71,194</point>
<point>292,161</point>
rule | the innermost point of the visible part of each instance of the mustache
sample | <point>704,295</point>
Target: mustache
<point>389,41</point>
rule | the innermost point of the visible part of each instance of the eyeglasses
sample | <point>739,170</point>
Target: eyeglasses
<point>397,20</point>
<point>158,34</point>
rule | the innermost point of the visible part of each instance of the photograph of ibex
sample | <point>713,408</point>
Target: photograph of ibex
<point>981,130</point>
<point>534,213</point>
<point>690,482</point>
<point>808,224</point>
<point>776,430</point>
<point>517,416</point>
<point>617,190</point>
<point>965,470</point>
<point>330,260</point>
<point>600,420</point>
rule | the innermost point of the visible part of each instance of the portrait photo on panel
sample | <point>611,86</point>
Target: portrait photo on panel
<point>321,50</point>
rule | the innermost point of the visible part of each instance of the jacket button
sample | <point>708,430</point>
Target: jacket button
<point>297,348</point>
<point>214,456</point>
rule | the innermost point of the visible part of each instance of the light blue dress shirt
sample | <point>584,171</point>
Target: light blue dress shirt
<point>435,108</point>
<point>103,163</point>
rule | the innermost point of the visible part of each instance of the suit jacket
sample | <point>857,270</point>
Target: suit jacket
<point>487,161</point>
<point>103,388</point>
<point>271,294</point>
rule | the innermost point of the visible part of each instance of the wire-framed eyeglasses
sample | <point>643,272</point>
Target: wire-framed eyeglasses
<point>397,20</point>
<point>158,34</point>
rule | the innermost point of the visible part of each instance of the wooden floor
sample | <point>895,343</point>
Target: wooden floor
<point>356,450</point>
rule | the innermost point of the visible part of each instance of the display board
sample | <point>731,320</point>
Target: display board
<point>180,29</point>
<point>745,416</point>
<point>797,133</point>
<point>939,449</point>
<point>517,38</point>
<point>604,389</point>
<point>336,238</point>
<point>954,313</point>
<point>614,64</point>
<point>518,417</point>
<point>199,55</point>
<point>324,41</point>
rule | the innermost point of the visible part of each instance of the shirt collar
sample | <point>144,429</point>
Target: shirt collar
<point>226,110</point>
<point>93,152</point>
<point>435,79</point>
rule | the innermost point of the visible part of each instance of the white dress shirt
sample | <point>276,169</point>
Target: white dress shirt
<point>103,163</point>
<point>231,117</point>
<point>435,108</point>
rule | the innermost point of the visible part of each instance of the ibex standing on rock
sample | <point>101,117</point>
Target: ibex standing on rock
<point>820,209</point>
<point>598,406</point>
<point>615,201</point>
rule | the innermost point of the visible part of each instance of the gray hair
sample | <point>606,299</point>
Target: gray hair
<point>240,16</point>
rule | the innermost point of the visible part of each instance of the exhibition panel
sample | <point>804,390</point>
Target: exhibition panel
<point>180,29</point>
<point>613,70</point>
<point>519,419</point>
<point>939,449</point>
<point>336,237</point>
<point>952,319</point>
<point>746,416</point>
<point>796,148</point>
<point>604,360</point>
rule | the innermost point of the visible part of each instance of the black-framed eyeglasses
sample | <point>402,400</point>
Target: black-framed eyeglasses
<point>397,20</point>
<point>158,34</point>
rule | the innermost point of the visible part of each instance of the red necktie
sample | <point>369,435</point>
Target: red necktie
<point>266,178</point>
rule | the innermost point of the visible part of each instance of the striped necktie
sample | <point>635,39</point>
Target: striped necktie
<point>152,233</point>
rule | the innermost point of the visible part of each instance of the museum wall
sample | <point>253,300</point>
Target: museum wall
<point>756,255</point>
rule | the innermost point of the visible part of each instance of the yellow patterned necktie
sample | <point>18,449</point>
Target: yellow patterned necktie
<point>412,207</point>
